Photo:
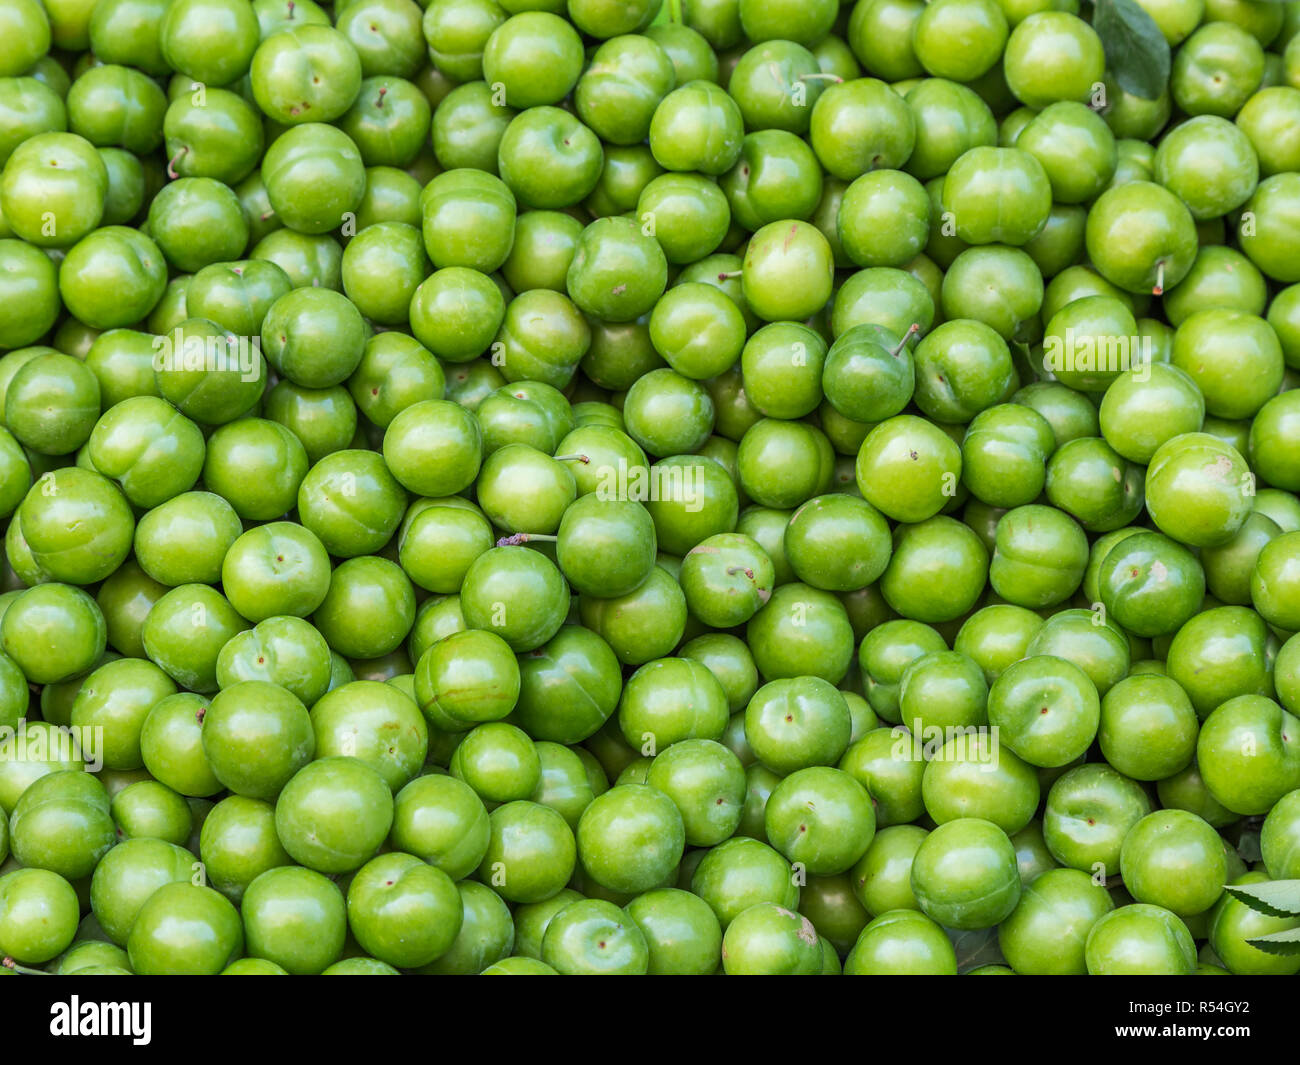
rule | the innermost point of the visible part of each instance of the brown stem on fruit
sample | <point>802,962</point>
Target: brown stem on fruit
<point>820,77</point>
<point>171,163</point>
<point>266,215</point>
<point>383,91</point>
<point>519,539</point>
<point>727,275</point>
<point>1159,290</point>
<point>573,458</point>
<point>733,570</point>
<point>9,963</point>
<point>200,714</point>
<point>912,330</point>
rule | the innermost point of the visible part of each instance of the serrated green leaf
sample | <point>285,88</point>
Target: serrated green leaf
<point>1285,943</point>
<point>1136,51</point>
<point>1277,898</point>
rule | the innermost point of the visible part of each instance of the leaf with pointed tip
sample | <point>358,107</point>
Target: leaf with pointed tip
<point>1277,898</point>
<point>1136,51</point>
<point>1285,943</point>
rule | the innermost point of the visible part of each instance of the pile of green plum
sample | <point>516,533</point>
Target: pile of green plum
<point>622,486</point>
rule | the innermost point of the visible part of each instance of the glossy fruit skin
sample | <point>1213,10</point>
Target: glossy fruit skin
<point>1039,556</point>
<point>171,745</point>
<point>334,790</point>
<point>433,448</point>
<point>531,853</point>
<point>1238,643</point>
<point>185,631</point>
<point>1277,838</point>
<point>912,584</point>
<point>1207,331</point>
<point>442,821</point>
<point>1047,932</point>
<point>126,878</point>
<point>1220,66</point>
<point>966,777</point>
<point>295,918</point>
<point>375,723</point>
<point>276,569</point>
<point>668,700</point>
<point>1273,583</point>
<point>553,135</point>
<point>1150,584</point>
<point>54,632</point>
<point>1197,490</point>
<point>1036,59</point>
<point>1247,753</point>
<point>889,478</point>
<point>72,184</point>
<point>775,255</point>
<point>1141,237</point>
<point>38,915</point>
<point>1004,174</point>
<point>1232,923</point>
<point>256,736</point>
<point>314,337</point>
<point>185,929</point>
<point>1089,811</point>
<point>392,896</point>
<point>1140,939</point>
<point>73,805</point>
<point>1148,727</point>
<point>681,932</point>
<point>118,697</point>
<point>740,873</point>
<point>902,942</point>
<point>592,937</point>
<point>486,934</point>
<point>964,874</point>
<point>841,816</point>
<point>1174,859</point>
<point>630,838</point>
<point>204,522</point>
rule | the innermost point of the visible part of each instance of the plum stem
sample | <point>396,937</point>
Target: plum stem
<point>584,459</point>
<point>727,275</point>
<point>820,77</point>
<point>912,330</point>
<point>171,163</point>
<point>733,570</point>
<point>9,963</point>
<point>383,91</point>
<point>518,539</point>
<point>1159,290</point>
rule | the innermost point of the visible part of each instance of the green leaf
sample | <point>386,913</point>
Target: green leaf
<point>976,948</point>
<point>1277,898</point>
<point>1248,844</point>
<point>1136,51</point>
<point>1285,943</point>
